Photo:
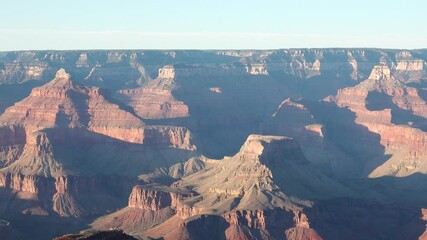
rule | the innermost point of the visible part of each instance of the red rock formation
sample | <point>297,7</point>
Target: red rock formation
<point>381,80</point>
<point>152,103</point>
<point>252,219</point>
<point>149,199</point>
<point>257,69</point>
<point>61,105</point>
<point>177,137</point>
<point>300,233</point>
<point>408,68</point>
<point>61,195</point>
<point>293,119</point>
<point>155,100</point>
<point>242,201</point>
<point>407,144</point>
<point>61,117</point>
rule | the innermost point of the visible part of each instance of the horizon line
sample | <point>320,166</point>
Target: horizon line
<point>211,49</point>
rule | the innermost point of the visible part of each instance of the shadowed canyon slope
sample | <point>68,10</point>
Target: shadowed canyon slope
<point>233,144</point>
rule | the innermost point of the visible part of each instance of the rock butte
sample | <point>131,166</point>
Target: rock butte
<point>59,116</point>
<point>243,184</point>
<point>221,144</point>
<point>406,144</point>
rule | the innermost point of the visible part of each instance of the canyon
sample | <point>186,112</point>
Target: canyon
<point>220,144</point>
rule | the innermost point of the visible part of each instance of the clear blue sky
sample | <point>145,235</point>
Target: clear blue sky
<point>211,24</point>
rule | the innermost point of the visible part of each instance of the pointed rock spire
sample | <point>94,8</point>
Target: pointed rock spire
<point>62,74</point>
<point>62,80</point>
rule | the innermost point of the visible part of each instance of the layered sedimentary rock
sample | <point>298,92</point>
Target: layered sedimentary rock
<point>382,104</point>
<point>61,195</point>
<point>240,196</point>
<point>62,103</point>
<point>70,109</point>
<point>118,69</point>
<point>72,151</point>
<point>381,81</point>
<point>155,100</point>
<point>257,69</point>
<point>59,144</point>
<point>17,72</point>
<point>293,119</point>
<point>149,199</point>
<point>409,68</point>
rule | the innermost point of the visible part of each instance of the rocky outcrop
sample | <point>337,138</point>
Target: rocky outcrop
<point>122,114</point>
<point>292,118</point>
<point>149,199</point>
<point>390,102</point>
<point>252,219</point>
<point>104,235</point>
<point>23,69</point>
<point>62,109</point>
<point>21,183</point>
<point>167,72</point>
<point>381,81</point>
<point>263,165</point>
<point>177,137</point>
<point>63,195</point>
<point>61,103</point>
<point>408,68</point>
<point>257,69</point>
<point>244,223</point>
<point>134,67</point>
<point>242,201</point>
<point>154,101</point>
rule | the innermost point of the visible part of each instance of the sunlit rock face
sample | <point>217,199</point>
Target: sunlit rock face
<point>155,100</point>
<point>243,201</point>
<point>376,103</point>
<point>140,66</point>
<point>51,140</point>
<point>220,144</point>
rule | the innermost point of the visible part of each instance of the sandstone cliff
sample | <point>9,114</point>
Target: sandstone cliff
<point>292,118</point>
<point>155,100</point>
<point>71,149</point>
<point>116,69</point>
<point>67,143</point>
<point>382,104</point>
<point>243,202</point>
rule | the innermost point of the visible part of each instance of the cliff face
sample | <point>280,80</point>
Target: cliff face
<point>355,119</point>
<point>63,195</point>
<point>382,104</point>
<point>244,201</point>
<point>152,103</point>
<point>149,199</point>
<point>135,67</point>
<point>292,118</point>
<point>62,145</point>
<point>66,107</point>
<point>155,100</point>
<point>62,103</point>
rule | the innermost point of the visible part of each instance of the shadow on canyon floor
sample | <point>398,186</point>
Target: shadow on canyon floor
<point>12,93</point>
<point>353,139</point>
<point>376,101</point>
<point>221,122</point>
